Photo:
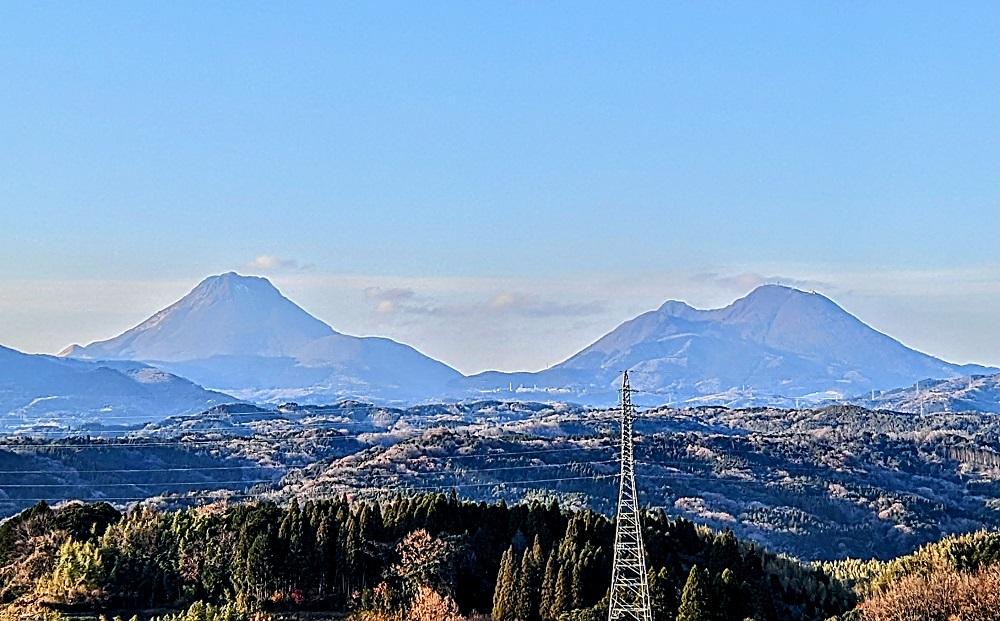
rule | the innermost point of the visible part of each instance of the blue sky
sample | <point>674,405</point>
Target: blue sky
<point>549,169</point>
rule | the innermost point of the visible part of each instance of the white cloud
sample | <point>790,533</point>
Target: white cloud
<point>268,263</point>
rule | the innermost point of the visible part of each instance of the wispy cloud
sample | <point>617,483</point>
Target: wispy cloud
<point>750,280</point>
<point>400,301</point>
<point>389,301</point>
<point>269,263</point>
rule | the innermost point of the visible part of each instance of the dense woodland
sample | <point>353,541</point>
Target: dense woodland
<point>392,559</point>
<point>433,556</point>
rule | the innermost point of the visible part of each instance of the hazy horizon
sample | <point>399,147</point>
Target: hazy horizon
<point>498,186</point>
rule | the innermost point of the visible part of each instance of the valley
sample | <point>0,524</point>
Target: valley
<point>826,483</point>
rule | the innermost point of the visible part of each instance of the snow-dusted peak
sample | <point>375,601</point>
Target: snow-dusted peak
<point>224,315</point>
<point>776,339</point>
<point>676,308</point>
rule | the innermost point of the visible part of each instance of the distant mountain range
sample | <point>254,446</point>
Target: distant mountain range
<point>976,393</point>
<point>37,388</point>
<point>774,345</point>
<point>240,336</point>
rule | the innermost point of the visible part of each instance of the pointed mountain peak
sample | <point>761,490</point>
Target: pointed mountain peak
<point>231,282</point>
<point>774,291</point>
<point>70,351</point>
<point>224,315</point>
<point>676,308</point>
<point>232,277</point>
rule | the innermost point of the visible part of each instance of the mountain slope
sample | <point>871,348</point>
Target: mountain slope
<point>226,314</point>
<point>37,387</point>
<point>975,393</point>
<point>776,340</point>
<point>239,334</point>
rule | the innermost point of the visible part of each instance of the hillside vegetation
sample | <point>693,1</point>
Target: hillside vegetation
<point>817,484</point>
<point>434,557</point>
<point>394,558</point>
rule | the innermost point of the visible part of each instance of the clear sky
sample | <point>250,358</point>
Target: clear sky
<point>499,183</point>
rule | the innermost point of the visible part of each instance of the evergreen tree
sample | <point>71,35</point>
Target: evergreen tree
<point>549,583</point>
<point>564,591</point>
<point>504,594</point>
<point>695,597</point>
<point>728,599</point>
<point>660,592</point>
<point>530,583</point>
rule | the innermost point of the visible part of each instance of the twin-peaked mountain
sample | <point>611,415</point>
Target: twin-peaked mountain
<point>239,335</point>
<point>772,346</point>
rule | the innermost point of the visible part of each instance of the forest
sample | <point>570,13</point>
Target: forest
<point>434,556</point>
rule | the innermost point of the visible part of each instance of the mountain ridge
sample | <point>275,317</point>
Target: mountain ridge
<point>39,387</point>
<point>241,335</point>
<point>776,339</point>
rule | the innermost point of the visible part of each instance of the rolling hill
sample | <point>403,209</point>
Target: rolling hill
<point>38,388</point>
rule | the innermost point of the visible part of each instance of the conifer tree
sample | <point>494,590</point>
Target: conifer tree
<point>564,591</point>
<point>728,601</point>
<point>549,584</point>
<point>530,583</point>
<point>694,598</point>
<point>504,595</point>
<point>577,582</point>
<point>659,592</point>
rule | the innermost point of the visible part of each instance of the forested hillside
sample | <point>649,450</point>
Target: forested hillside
<point>433,557</point>
<point>957,578</point>
<point>398,558</point>
<point>817,484</point>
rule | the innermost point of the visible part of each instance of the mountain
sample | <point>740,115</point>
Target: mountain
<point>37,388</point>
<point>777,342</point>
<point>239,334</point>
<point>975,393</point>
<point>776,346</point>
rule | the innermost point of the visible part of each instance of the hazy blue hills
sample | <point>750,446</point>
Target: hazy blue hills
<point>777,342</point>
<point>37,388</point>
<point>777,345</point>
<point>239,334</point>
<point>976,393</point>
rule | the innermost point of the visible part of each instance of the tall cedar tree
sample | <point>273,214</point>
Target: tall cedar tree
<point>695,597</point>
<point>549,581</point>
<point>505,594</point>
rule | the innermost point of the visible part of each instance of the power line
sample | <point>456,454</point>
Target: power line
<point>124,470</point>
<point>98,437</point>
<point>293,426</point>
<point>255,481</point>
<point>492,484</point>
<point>138,484</point>
<point>341,486</point>
<point>303,467</point>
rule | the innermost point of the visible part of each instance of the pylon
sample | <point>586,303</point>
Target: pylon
<point>629,590</point>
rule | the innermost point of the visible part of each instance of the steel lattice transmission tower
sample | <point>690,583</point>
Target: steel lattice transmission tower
<point>629,590</point>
